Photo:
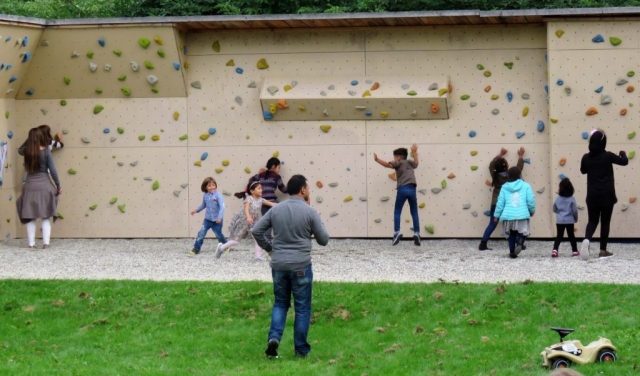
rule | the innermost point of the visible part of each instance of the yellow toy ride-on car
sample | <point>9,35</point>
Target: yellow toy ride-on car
<point>564,354</point>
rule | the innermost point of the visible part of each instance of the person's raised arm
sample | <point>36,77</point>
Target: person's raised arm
<point>414,151</point>
<point>260,228</point>
<point>620,159</point>
<point>381,162</point>
<point>520,163</point>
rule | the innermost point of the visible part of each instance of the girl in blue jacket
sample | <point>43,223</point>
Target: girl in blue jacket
<point>516,205</point>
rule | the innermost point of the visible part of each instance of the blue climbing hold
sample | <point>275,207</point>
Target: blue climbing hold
<point>599,90</point>
<point>101,42</point>
<point>13,78</point>
<point>585,135</point>
<point>8,38</point>
<point>204,156</point>
<point>520,134</point>
<point>487,213</point>
<point>25,41</point>
<point>472,134</point>
<point>509,96</point>
<point>239,70</point>
<point>176,65</point>
<point>348,169</point>
<point>9,66</point>
<point>212,131</point>
<point>562,176</point>
<point>184,50</point>
<point>10,135</point>
<point>546,88</point>
<point>26,57</point>
<point>546,58</point>
<point>10,197</point>
<point>106,130</point>
<point>597,39</point>
<point>267,115</point>
<point>560,82</point>
<point>527,160</point>
<point>2,66</point>
<point>354,82</point>
<point>29,92</point>
<point>540,125</point>
<point>368,113</point>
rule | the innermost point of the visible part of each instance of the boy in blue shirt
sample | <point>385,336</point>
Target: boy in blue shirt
<point>214,203</point>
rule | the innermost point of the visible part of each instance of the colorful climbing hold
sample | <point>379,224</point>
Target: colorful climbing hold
<point>435,107</point>
<point>631,135</point>
<point>384,114</point>
<point>465,97</point>
<point>239,70</point>
<point>631,73</point>
<point>375,86</point>
<point>615,40</point>
<point>29,92</point>
<point>422,205</point>
<point>106,130</point>
<point>623,112</point>
<point>63,102</point>
<point>176,115</point>
<point>442,91</point>
<point>118,53</point>
<point>71,171</point>
<point>156,185</point>
<point>66,79</point>
<point>216,46</point>
<point>559,33</point>
<point>430,229</point>
<point>621,81</point>
<point>325,128</point>
<point>560,82</point>
<point>540,126</point>
<point>562,176</point>
<point>494,97</point>
<point>473,153</point>
<point>368,113</point>
<point>480,67</point>
<point>487,73</point>
<point>144,42</point>
<point>176,65</point>
<point>287,88</point>
<point>161,53</point>
<point>585,135</point>
<point>563,161</point>
<point>204,136</point>
<point>599,90</point>
<point>554,120</point>
<point>155,137</point>
<point>122,208</point>
<point>630,89</point>
<point>93,207</point>
<point>527,160</point>
<point>631,154</point>
<point>474,168</point>
<point>472,134</point>
<point>348,198</point>
<point>597,39</point>
<point>509,96</point>
<point>230,63</point>
<point>487,89</point>
<point>367,93</point>
<point>267,115</point>
<point>98,109</point>
<point>282,104</point>
<point>126,91</point>
<point>142,137</point>
<point>148,64</point>
<point>197,163</point>
<point>183,137</point>
<point>219,170</point>
<point>212,131</point>
<point>508,65</point>
<point>412,93</point>
<point>262,64</point>
<point>520,134</point>
<point>525,111</point>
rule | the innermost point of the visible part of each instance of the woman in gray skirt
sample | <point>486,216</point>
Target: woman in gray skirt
<point>39,197</point>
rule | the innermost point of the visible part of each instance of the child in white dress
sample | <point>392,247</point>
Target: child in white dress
<point>243,220</point>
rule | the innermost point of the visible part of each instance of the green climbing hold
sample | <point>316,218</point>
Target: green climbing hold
<point>148,64</point>
<point>615,40</point>
<point>59,215</point>
<point>98,109</point>
<point>412,93</point>
<point>473,168</point>
<point>465,97</point>
<point>126,91</point>
<point>72,171</point>
<point>631,135</point>
<point>161,53</point>
<point>156,185</point>
<point>443,184</point>
<point>6,114</point>
<point>93,207</point>
<point>120,130</point>
<point>67,80</point>
<point>122,77</point>
<point>216,46</point>
<point>123,208</point>
<point>63,102</point>
<point>142,137</point>
<point>631,154</point>
<point>117,52</point>
<point>480,67</point>
<point>154,90</point>
<point>631,73</point>
<point>113,200</point>
<point>183,137</point>
<point>144,42</point>
<point>98,91</point>
<point>90,54</point>
<point>429,229</point>
<point>508,65</point>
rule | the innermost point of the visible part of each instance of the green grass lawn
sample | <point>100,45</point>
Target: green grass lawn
<point>176,328</point>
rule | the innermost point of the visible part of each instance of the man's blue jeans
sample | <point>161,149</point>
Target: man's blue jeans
<point>206,226</point>
<point>406,192</point>
<point>299,282</point>
<point>492,225</point>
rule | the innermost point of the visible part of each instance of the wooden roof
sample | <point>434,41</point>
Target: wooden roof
<point>289,21</point>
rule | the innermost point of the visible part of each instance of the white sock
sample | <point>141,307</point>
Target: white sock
<point>46,230</point>
<point>31,233</point>
<point>258,250</point>
<point>229,243</point>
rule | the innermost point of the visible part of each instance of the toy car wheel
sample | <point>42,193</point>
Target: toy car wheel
<point>607,355</point>
<point>561,363</point>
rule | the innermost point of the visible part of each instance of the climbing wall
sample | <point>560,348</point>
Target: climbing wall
<point>17,46</point>
<point>592,81</point>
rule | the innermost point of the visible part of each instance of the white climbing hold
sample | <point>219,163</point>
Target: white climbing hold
<point>93,67</point>
<point>377,220</point>
<point>405,86</point>
<point>85,140</point>
<point>253,85</point>
<point>414,113</point>
<point>474,213</point>
<point>177,193</point>
<point>333,184</point>
<point>360,108</point>
<point>319,199</point>
<point>384,198</point>
<point>184,185</point>
<point>541,190</point>
<point>352,93</point>
<point>107,67</point>
<point>134,163</point>
<point>466,206</point>
<point>362,198</point>
<point>294,83</point>
<point>152,80</point>
<point>44,43</point>
<point>196,85</point>
<point>44,111</point>
<point>436,190</point>
<point>134,66</point>
<point>272,90</point>
<point>333,214</point>
<point>112,139</point>
<point>323,93</point>
<point>239,100</point>
<point>325,112</point>
<point>625,207</point>
<point>75,54</point>
<point>423,191</point>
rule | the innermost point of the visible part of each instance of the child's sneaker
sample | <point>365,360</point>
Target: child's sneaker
<point>604,254</point>
<point>416,239</point>
<point>575,254</point>
<point>513,255</point>
<point>584,250</point>
<point>554,253</point>
<point>219,250</point>
<point>272,349</point>
<point>396,238</point>
<point>194,252</point>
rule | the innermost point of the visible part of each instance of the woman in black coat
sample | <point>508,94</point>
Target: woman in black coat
<point>601,193</point>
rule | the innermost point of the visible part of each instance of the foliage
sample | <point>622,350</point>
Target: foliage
<point>58,9</point>
<point>204,328</point>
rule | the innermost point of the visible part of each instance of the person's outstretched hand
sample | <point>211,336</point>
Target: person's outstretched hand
<point>503,151</point>
<point>414,148</point>
<point>623,153</point>
<point>375,156</point>
<point>521,152</point>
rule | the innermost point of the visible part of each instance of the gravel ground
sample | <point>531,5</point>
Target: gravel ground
<point>343,260</point>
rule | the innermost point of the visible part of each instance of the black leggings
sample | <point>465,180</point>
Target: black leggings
<point>572,238</point>
<point>600,214</point>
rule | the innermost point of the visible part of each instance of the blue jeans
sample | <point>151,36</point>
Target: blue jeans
<point>492,226</point>
<point>299,282</point>
<point>206,225</point>
<point>406,192</point>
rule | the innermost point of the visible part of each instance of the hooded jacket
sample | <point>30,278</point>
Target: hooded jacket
<point>597,164</point>
<point>516,201</point>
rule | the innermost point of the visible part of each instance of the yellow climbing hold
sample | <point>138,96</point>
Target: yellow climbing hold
<point>176,115</point>
<point>302,108</point>
<point>216,46</point>
<point>474,153</point>
<point>422,205</point>
<point>559,33</point>
<point>225,163</point>
<point>287,88</point>
<point>348,198</point>
<point>204,136</point>
<point>325,128</point>
<point>554,120</point>
<point>262,64</point>
<point>366,94</point>
<point>443,91</point>
<point>384,114</point>
<point>198,163</point>
<point>219,170</point>
<point>494,97</point>
<point>186,65</point>
<point>158,40</point>
<point>155,137</point>
<point>273,108</point>
<point>276,154</point>
<point>487,73</point>
<point>525,111</point>
<point>231,63</point>
<point>247,170</point>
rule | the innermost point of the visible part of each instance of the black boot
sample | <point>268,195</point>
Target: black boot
<point>483,247</point>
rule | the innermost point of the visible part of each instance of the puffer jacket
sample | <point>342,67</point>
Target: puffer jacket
<point>516,201</point>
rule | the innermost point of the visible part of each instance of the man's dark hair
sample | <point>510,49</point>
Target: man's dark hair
<point>402,152</point>
<point>566,188</point>
<point>514,173</point>
<point>295,184</point>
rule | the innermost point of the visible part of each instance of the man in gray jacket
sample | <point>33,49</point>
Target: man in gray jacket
<point>293,223</point>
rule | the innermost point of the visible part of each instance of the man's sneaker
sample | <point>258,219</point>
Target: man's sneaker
<point>416,239</point>
<point>301,355</point>
<point>584,250</point>
<point>483,247</point>
<point>554,253</point>
<point>219,250</point>
<point>575,254</point>
<point>513,255</point>
<point>272,349</point>
<point>396,238</point>
<point>605,254</point>
<point>194,252</point>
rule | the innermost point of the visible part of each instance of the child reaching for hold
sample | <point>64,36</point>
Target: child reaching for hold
<point>243,220</point>
<point>566,211</point>
<point>516,204</point>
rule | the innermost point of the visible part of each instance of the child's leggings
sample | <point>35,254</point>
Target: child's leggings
<point>236,241</point>
<point>514,237</point>
<point>572,238</point>
<point>46,232</point>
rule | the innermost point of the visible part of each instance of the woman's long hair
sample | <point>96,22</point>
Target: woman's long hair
<point>46,131</point>
<point>32,150</point>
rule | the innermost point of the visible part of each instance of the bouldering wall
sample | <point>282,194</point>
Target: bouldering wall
<point>592,83</point>
<point>17,46</point>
